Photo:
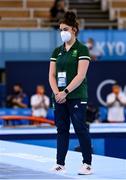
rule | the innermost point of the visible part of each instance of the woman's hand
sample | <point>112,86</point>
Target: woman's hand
<point>61,97</point>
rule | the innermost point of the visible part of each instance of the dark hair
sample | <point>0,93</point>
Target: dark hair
<point>70,19</point>
<point>18,84</point>
<point>116,83</point>
<point>56,3</point>
<point>91,39</point>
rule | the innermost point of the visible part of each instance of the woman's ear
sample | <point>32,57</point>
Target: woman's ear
<point>75,30</point>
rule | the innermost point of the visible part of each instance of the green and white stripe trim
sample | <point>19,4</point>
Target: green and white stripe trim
<point>53,59</point>
<point>84,57</point>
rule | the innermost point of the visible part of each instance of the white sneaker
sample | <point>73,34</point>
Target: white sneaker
<point>58,169</point>
<point>85,170</point>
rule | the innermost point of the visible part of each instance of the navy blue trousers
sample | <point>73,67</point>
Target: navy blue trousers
<point>73,110</point>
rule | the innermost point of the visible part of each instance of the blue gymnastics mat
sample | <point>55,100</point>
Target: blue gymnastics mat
<point>21,161</point>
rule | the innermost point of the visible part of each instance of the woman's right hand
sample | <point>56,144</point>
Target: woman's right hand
<point>60,98</point>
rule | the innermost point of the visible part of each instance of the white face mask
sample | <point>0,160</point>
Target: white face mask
<point>65,36</point>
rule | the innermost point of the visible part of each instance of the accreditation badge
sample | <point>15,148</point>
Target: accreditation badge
<point>61,79</point>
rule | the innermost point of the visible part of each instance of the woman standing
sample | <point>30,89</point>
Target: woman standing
<point>67,77</point>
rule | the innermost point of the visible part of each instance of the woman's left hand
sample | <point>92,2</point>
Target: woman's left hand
<point>60,97</point>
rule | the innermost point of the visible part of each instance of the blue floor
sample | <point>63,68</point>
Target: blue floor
<point>8,171</point>
<point>21,161</point>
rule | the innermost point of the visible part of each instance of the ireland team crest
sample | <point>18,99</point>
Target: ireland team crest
<point>74,54</point>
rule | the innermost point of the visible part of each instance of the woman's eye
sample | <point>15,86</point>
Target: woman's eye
<point>65,29</point>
